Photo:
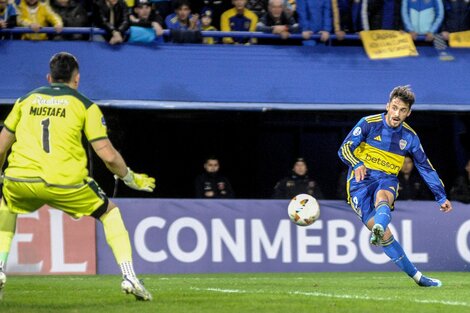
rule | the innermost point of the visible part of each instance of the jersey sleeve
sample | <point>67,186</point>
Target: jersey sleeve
<point>427,171</point>
<point>95,124</point>
<point>357,135</point>
<point>14,117</point>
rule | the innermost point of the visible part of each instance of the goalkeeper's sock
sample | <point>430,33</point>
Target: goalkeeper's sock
<point>382,214</point>
<point>7,231</point>
<point>5,243</point>
<point>394,251</point>
<point>118,239</point>
<point>127,269</point>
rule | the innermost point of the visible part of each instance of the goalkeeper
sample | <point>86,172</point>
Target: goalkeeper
<point>47,165</point>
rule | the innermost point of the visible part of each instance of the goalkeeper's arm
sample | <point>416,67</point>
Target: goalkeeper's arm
<point>116,164</point>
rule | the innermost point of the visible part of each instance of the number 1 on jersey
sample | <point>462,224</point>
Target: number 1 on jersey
<point>45,134</point>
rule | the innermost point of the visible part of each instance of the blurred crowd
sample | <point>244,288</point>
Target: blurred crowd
<point>212,184</point>
<point>145,20</point>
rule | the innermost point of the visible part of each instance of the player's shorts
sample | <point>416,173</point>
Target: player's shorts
<point>362,194</point>
<point>77,201</point>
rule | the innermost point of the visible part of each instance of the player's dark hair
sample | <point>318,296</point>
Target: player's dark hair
<point>211,157</point>
<point>62,66</point>
<point>404,93</point>
<point>178,4</point>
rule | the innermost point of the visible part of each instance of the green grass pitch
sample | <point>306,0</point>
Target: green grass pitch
<point>260,292</point>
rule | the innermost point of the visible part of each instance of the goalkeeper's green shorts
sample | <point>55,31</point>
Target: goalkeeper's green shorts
<point>77,201</point>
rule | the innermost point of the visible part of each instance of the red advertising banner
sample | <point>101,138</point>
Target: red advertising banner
<point>49,241</point>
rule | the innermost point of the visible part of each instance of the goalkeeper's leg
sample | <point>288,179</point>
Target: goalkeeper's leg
<point>118,239</point>
<point>7,230</point>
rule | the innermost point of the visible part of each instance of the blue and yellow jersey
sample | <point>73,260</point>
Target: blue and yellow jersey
<point>172,22</point>
<point>231,20</point>
<point>48,124</point>
<point>382,150</point>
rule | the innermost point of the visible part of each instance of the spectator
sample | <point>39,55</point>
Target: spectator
<point>382,14</point>
<point>217,7</point>
<point>460,191</point>
<point>456,17</point>
<point>182,19</point>
<point>7,15</point>
<point>422,17</point>
<point>411,186</point>
<point>291,7</point>
<point>276,21</point>
<point>259,7</point>
<point>341,190</point>
<point>298,182</point>
<point>145,24</point>
<point>238,18</point>
<point>73,14</point>
<point>346,17</point>
<point>113,17</point>
<point>35,15</point>
<point>314,18</point>
<point>211,184</point>
<point>206,25</point>
<point>162,7</point>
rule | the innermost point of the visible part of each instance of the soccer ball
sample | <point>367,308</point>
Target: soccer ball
<point>303,210</point>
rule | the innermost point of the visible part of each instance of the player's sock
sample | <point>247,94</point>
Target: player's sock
<point>127,269</point>
<point>118,239</point>
<point>394,251</point>
<point>382,214</point>
<point>7,231</point>
<point>3,260</point>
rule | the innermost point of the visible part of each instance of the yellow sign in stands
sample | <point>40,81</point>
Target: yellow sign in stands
<point>460,39</point>
<point>386,44</point>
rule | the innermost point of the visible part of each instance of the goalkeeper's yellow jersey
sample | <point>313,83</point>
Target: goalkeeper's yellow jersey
<point>48,124</point>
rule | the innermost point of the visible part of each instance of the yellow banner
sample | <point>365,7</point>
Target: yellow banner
<point>460,39</point>
<point>386,44</point>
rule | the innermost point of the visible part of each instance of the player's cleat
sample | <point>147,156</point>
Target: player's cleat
<point>429,282</point>
<point>3,280</point>
<point>132,285</point>
<point>377,235</point>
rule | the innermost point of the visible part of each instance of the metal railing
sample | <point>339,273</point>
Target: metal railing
<point>214,34</point>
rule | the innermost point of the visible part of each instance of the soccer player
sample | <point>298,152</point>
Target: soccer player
<point>47,164</point>
<point>375,150</point>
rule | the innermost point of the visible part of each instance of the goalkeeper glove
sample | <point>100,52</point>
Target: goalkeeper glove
<point>137,181</point>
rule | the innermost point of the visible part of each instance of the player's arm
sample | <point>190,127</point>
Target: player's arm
<point>7,138</point>
<point>116,164</point>
<point>110,156</point>
<point>96,132</point>
<point>7,135</point>
<point>429,175</point>
<point>346,152</point>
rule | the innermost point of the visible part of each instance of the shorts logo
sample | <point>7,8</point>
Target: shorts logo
<point>357,131</point>
<point>403,143</point>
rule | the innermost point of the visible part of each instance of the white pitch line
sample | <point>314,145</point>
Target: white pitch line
<point>338,296</point>
<point>220,290</point>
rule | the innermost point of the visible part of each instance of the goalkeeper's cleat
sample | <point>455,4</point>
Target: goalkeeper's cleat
<point>132,285</point>
<point>377,235</point>
<point>429,282</point>
<point>3,280</point>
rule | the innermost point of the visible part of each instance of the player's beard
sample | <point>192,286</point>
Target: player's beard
<point>394,121</point>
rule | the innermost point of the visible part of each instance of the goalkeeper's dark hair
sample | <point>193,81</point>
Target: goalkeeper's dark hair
<point>404,93</point>
<point>62,66</point>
